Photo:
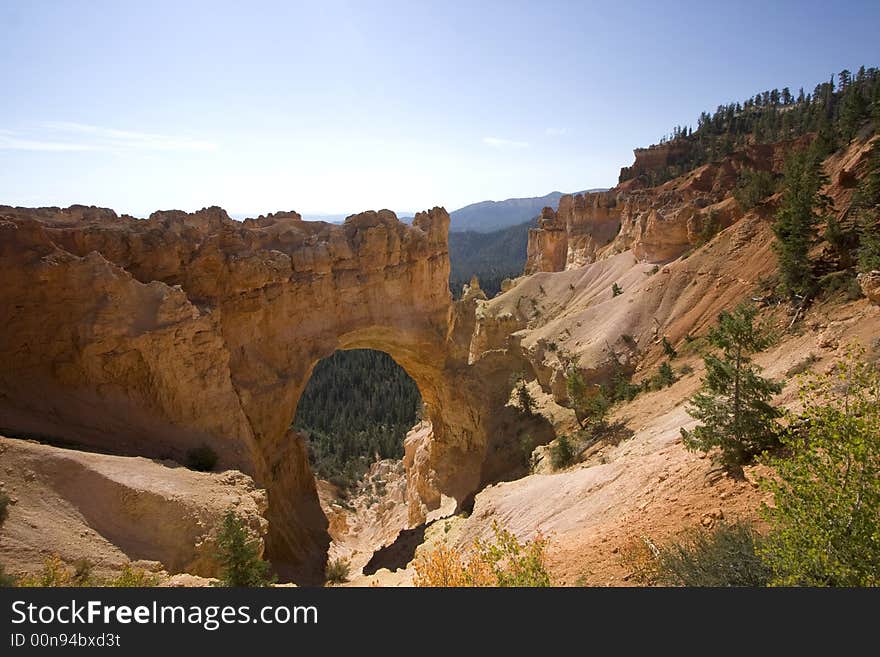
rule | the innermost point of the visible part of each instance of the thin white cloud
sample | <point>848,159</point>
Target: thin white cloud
<point>69,136</point>
<point>555,132</point>
<point>11,143</point>
<point>497,142</point>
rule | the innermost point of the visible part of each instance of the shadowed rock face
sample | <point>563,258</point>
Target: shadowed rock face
<point>151,337</point>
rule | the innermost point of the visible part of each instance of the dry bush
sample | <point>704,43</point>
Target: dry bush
<point>504,562</point>
<point>56,573</point>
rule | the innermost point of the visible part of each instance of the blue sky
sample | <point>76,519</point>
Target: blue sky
<point>338,107</point>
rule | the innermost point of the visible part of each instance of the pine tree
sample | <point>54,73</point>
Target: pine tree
<point>239,555</point>
<point>795,227</point>
<point>853,111</point>
<point>733,403</point>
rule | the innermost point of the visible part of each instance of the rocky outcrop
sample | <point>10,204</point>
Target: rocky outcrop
<point>657,227</point>
<point>655,159</point>
<point>151,337</point>
<point>548,244</point>
<point>658,224</point>
<point>115,509</point>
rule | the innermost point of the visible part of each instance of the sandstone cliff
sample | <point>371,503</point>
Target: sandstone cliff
<point>657,224</point>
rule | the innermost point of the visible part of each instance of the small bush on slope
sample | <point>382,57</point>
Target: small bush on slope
<point>337,571</point>
<point>130,577</point>
<point>590,402</point>
<point>562,453</point>
<point>56,573</point>
<point>504,562</point>
<point>664,377</point>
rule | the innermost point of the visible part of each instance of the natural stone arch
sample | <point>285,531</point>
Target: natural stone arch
<point>193,328</point>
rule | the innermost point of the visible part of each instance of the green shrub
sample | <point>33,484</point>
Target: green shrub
<point>622,389</point>
<point>668,349</point>
<point>664,377</point>
<point>724,556</point>
<point>826,492</point>
<point>201,459</point>
<point>562,453</point>
<point>843,238</point>
<point>596,406</point>
<point>337,571</point>
<point>515,564</point>
<point>616,290</point>
<point>710,228</point>
<point>693,345</point>
<point>239,555</point>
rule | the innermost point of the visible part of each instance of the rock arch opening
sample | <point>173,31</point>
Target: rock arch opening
<point>355,412</point>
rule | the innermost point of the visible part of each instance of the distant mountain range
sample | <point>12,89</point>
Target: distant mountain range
<point>482,217</point>
<point>487,216</point>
